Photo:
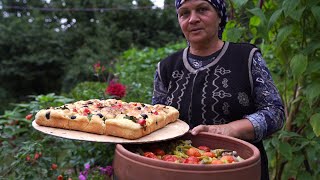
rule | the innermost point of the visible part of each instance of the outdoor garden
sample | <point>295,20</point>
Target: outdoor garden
<point>55,52</point>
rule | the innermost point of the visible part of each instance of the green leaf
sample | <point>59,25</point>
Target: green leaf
<point>275,142</point>
<point>311,47</point>
<point>305,176</point>
<point>298,65</point>
<point>285,150</point>
<point>283,35</point>
<point>312,92</point>
<point>274,17</point>
<point>316,13</point>
<point>255,21</point>
<point>239,3</point>
<point>313,67</point>
<point>289,7</point>
<point>258,12</point>
<point>315,123</point>
<point>233,34</point>
<point>298,13</point>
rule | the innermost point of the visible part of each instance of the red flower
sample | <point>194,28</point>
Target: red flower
<point>116,89</point>
<point>29,116</point>
<point>98,68</point>
<point>28,157</point>
<point>36,156</point>
<point>60,177</point>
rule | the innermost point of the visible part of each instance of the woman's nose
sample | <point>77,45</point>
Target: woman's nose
<point>193,17</point>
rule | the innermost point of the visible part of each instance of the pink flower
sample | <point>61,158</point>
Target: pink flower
<point>116,89</point>
<point>108,170</point>
<point>87,166</point>
<point>82,177</point>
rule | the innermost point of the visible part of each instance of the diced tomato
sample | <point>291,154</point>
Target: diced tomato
<point>170,158</point>
<point>156,113</point>
<point>216,161</point>
<point>227,159</point>
<point>150,155</point>
<point>142,122</point>
<point>192,160</point>
<point>86,111</point>
<point>74,110</point>
<point>193,152</point>
<point>159,152</point>
<point>204,148</point>
<point>209,154</point>
<point>98,105</point>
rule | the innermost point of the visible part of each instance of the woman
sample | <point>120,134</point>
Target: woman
<point>218,87</point>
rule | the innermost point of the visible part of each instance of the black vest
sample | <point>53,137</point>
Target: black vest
<point>217,93</point>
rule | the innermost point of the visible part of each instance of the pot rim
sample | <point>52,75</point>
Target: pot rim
<point>253,159</point>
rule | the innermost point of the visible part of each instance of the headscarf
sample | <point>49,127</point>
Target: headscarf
<point>220,6</point>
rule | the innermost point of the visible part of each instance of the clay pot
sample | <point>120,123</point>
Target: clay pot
<point>130,166</point>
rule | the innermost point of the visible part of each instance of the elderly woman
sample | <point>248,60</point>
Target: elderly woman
<point>219,87</point>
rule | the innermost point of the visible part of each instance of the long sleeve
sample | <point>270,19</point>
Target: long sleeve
<point>269,116</point>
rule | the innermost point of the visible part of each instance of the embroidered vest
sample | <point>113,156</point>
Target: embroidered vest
<point>217,93</point>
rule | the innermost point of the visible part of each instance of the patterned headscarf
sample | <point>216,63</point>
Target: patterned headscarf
<point>220,6</point>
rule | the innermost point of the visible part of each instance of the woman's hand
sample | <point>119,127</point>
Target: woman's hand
<point>224,129</point>
<point>242,129</point>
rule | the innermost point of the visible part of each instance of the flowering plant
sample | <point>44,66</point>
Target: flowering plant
<point>116,90</point>
<point>96,172</point>
<point>99,70</point>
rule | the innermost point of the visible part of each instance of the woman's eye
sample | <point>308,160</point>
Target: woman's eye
<point>183,14</point>
<point>201,10</point>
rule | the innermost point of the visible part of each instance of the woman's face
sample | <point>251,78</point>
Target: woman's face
<point>199,21</point>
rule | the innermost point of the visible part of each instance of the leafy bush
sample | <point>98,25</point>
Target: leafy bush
<point>89,90</point>
<point>287,33</point>
<point>136,68</point>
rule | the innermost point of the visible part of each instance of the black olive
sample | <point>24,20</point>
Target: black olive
<point>144,116</point>
<point>100,115</point>
<point>143,105</point>
<point>139,108</point>
<point>85,106</point>
<point>90,102</point>
<point>48,115</point>
<point>73,117</point>
<point>64,107</point>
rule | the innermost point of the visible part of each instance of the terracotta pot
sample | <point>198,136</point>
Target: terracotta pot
<point>130,166</point>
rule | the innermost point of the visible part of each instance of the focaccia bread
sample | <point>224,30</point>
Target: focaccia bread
<point>129,120</point>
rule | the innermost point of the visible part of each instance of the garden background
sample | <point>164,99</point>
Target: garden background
<point>58,51</point>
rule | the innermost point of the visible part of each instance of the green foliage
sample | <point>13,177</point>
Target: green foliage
<point>28,154</point>
<point>291,48</point>
<point>89,90</point>
<point>50,51</point>
<point>287,33</point>
<point>136,68</point>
